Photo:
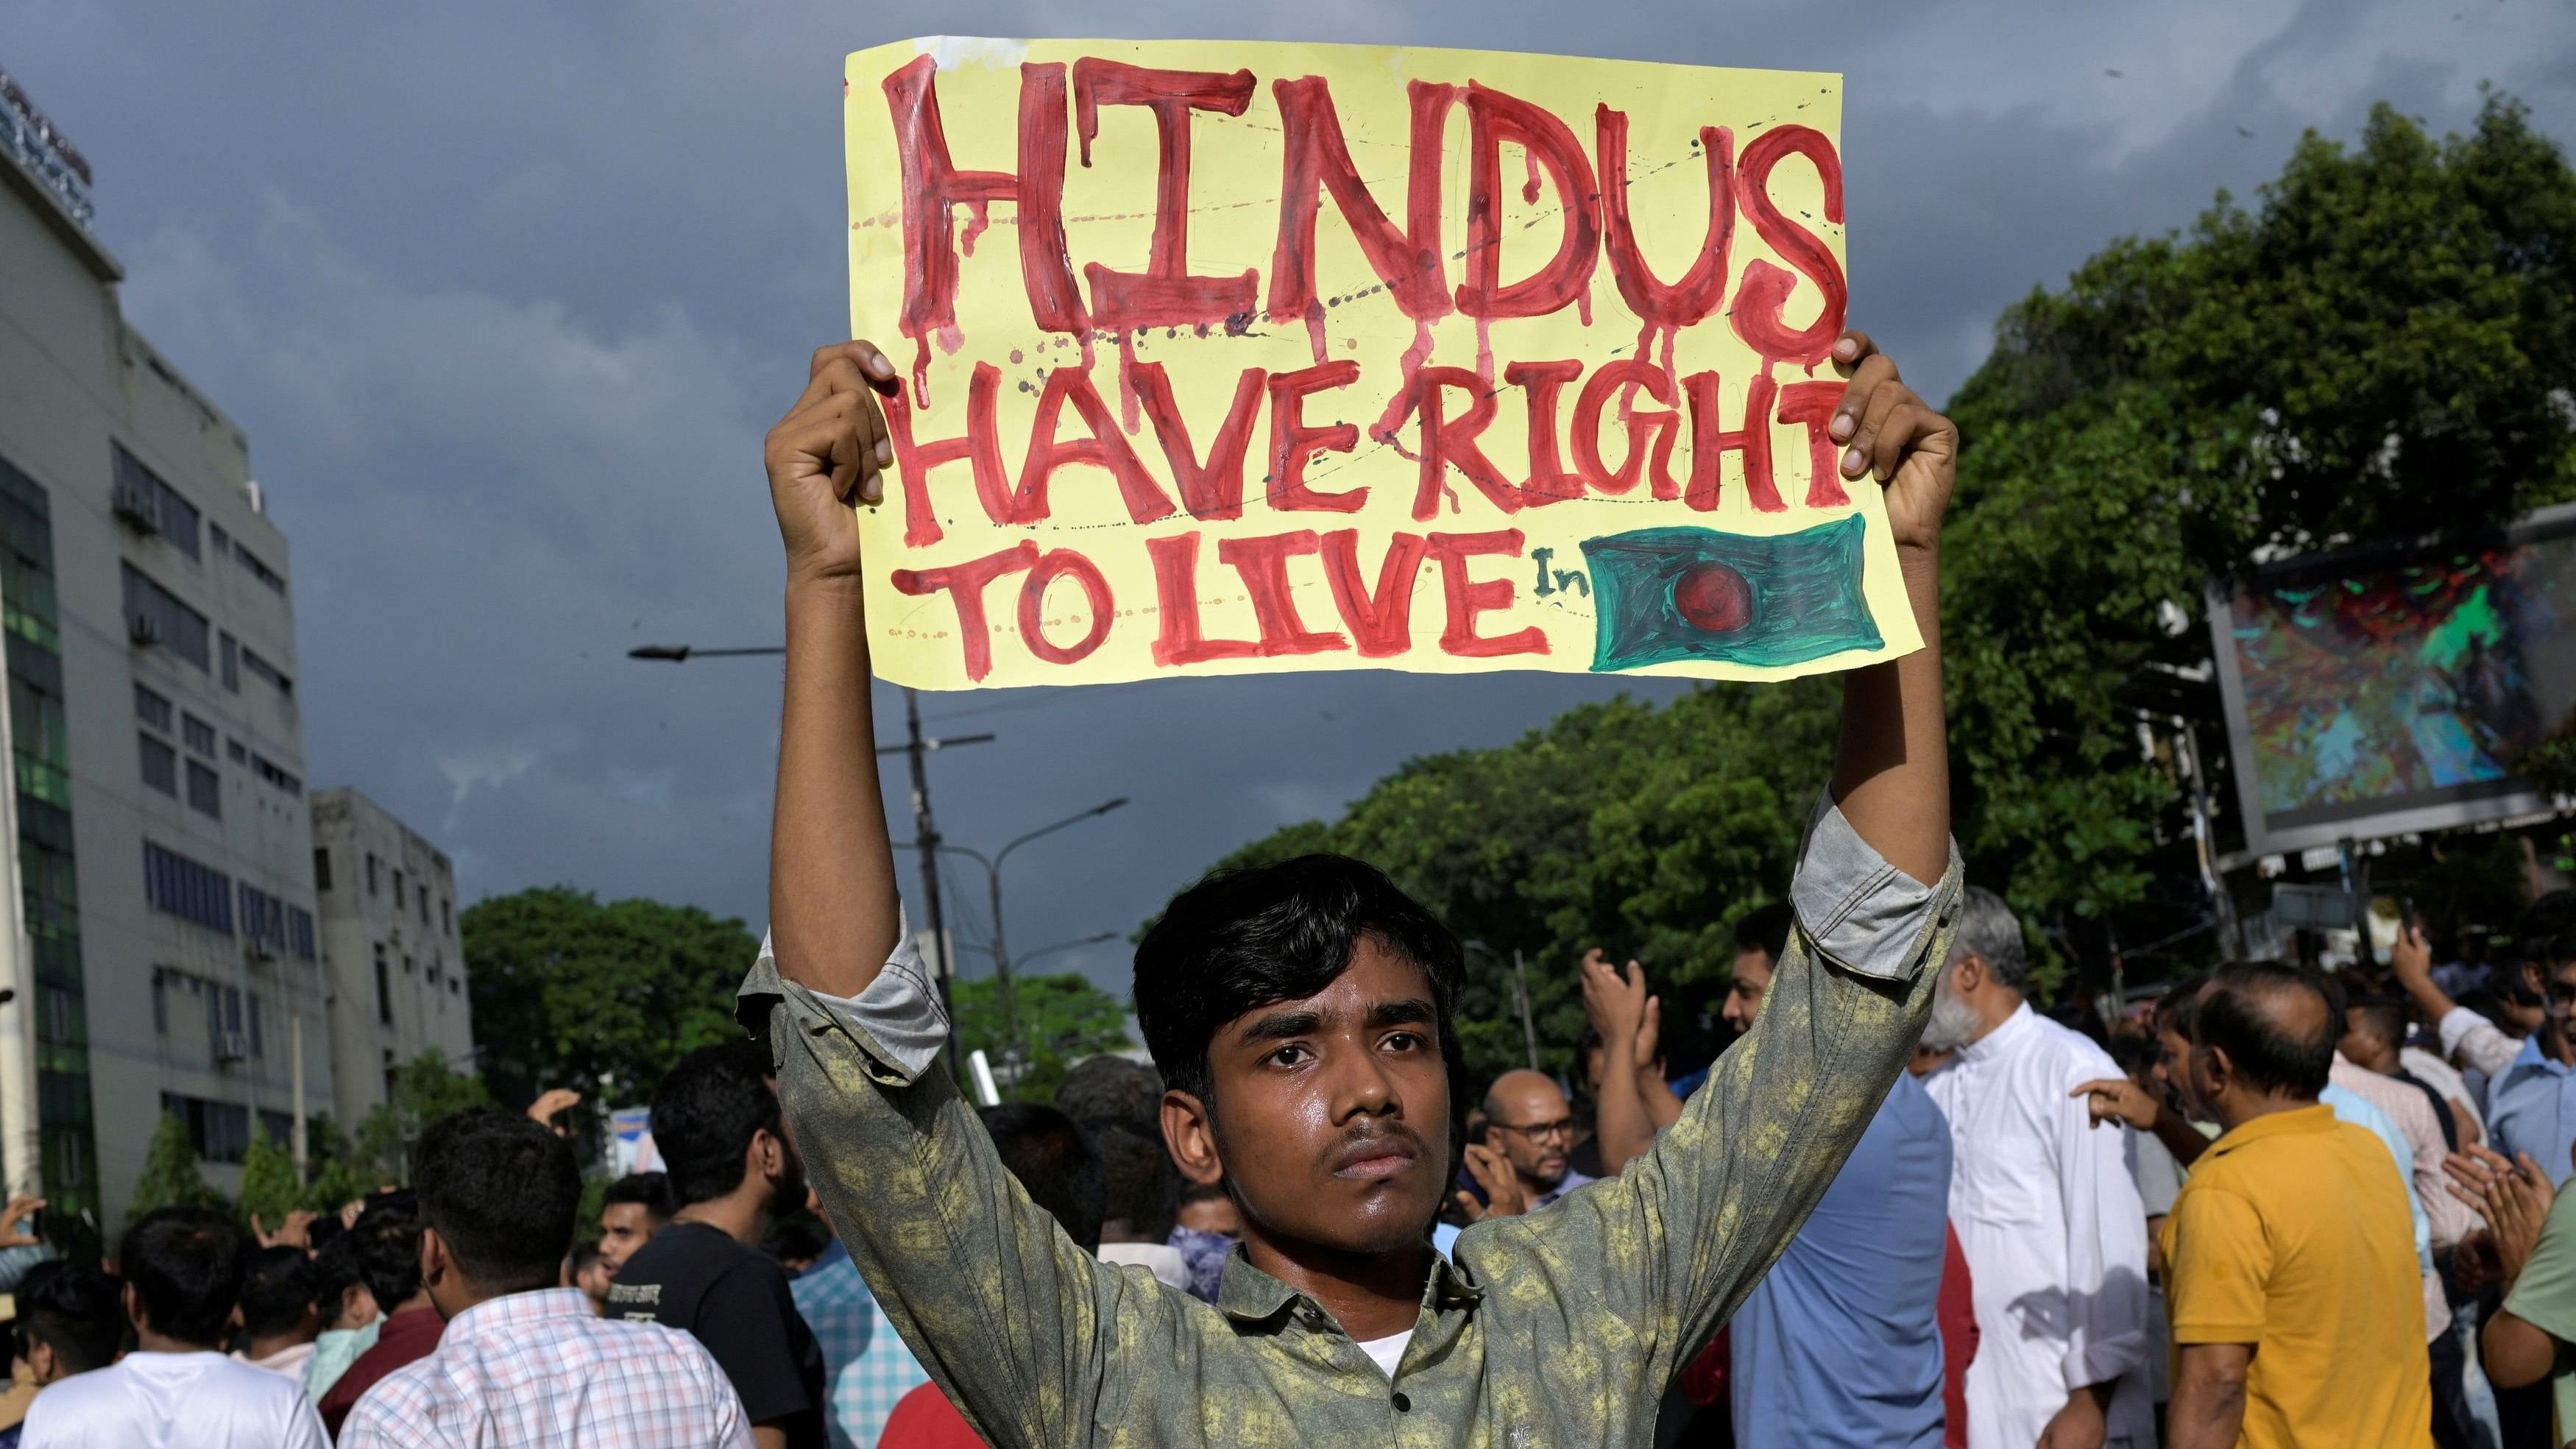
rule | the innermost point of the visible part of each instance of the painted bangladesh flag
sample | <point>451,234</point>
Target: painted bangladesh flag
<point>1666,595</point>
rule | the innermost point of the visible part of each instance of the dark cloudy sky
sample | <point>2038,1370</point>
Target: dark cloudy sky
<point>505,295</point>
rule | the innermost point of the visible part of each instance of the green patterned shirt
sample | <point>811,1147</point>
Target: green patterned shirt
<point>1558,1328</point>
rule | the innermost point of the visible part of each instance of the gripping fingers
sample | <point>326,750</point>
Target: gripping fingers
<point>1874,389</point>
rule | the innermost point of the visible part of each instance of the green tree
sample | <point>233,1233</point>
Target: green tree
<point>335,1175</point>
<point>425,1089</point>
<point>268,1185</point>
<point>568,990</point>
<point>1063,1019</point>
<point>170,1174</point>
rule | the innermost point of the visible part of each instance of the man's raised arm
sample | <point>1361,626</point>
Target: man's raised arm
<point>832,906</point>
<point>1892,766</point>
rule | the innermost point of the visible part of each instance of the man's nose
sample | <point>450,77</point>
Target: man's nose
<point>1361,1085</point>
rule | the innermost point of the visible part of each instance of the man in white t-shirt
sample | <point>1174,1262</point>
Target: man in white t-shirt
<point>183,1271</point>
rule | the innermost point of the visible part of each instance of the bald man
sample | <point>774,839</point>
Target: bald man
<point>1528,1120</point>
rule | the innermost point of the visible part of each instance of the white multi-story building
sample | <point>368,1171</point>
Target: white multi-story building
<point>389,935</point>
<point>167,957</point>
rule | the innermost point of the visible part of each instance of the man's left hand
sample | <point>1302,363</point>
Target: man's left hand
<point>1896,437</point>
<point>1614,999</point>
<point>1493,1172</point>
<point>2079,1425</point>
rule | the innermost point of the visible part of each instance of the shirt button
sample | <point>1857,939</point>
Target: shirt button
<point>1402,1404</point>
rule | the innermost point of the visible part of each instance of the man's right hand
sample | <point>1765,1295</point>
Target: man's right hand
<point>2118,1099</point>
<point>830,452</point>
<point>1493,1172</point>
<point>1615,1000</point>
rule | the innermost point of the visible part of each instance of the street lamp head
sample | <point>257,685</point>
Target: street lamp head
<point>1112,805</point>
<point>676,653</point>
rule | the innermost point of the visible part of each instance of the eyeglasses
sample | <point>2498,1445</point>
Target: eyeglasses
<point>1561,1127</point>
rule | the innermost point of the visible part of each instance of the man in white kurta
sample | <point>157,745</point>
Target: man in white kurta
<point>2045,1208</point>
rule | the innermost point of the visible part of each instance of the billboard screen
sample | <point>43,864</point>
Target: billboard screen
<point>2378,691</point>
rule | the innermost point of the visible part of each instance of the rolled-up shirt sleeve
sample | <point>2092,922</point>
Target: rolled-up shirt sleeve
<point>2470,1040</point>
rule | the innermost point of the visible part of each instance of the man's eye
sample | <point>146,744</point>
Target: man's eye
<point>1290,1055</point>
<point>1403,1041</point>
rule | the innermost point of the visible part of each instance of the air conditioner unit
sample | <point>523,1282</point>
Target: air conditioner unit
<point>134,507</point>
<point>259,948</point>
<point>143,629</point>
<point>231,1046</point>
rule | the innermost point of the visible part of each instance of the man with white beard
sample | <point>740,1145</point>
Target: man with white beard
<point>2044,1206</point>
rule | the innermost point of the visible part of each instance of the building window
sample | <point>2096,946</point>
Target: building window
<point>275,776</point>
<point>142,497</point>
<point>371,872</point>
<point>264,917</point>
<point>424,907</point>
<point>233,748</point>
<point>151,709</point>
<point>398,894</point>
<point>262,669</point>
<point>392,1073</point>
<point>222,541</point>
<point>257,1048</point>
<point>230,650</point>
<point>321,868</point>
<point>154,615</point>
<point>219,1131</point>
<point>205,791</point>
<point>280,1126</point>
<point>199,735</point>
<point>260,571</point>
<point>384,988</point>
<point>160,764</point>
<point>174,883</point>
<point>455,985</point>
<point>446,916</point>
<point>299,934</point>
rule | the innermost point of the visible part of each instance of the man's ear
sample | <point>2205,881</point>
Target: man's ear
<point>40,1361</point>
<point>134,1310</point>
<point>1189,1134</point>
<point>766,1158</point>
<point>1968,973</point>
<point>434,1260</point>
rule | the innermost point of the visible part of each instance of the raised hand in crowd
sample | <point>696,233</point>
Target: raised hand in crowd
<point>2132,1104</point>
<point>295,1232</point>
<point>1504,1197</point>
<point>551,1104</point>
<point>13,1232</point>
<point>1618,1006</point>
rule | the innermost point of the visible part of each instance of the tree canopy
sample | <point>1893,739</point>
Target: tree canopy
<point>1063,1019</point>
<point>2382,346</point>
<point>568,990</point>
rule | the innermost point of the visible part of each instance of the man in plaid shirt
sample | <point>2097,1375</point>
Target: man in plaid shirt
<point>524,1361</point>
<point>868,1366</point>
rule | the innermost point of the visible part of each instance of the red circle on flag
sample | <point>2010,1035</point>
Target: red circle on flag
<point>1713,597</point>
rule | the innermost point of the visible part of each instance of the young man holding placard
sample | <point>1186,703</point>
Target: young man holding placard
<point>1302,1016</point>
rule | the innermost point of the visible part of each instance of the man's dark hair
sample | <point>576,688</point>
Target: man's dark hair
<point>705,1113</point>
<point>335,1270</point>
<point>2545,933</point>
<point>2179,1006</point>
<point>502,1191</point>
<point>386,1240</point>
<point>185,1264</point>
<point>1141,1188</point>
<point>277,1291</point>
<point>583,1255</point>
<point>649,1190</point>
<point>1107,1089</point>
<point>799,1239</point>
<point>1766,929</point>
<point>2133,1054</point>
<point>77,1311</point>
<point>1055,1165</point>
<point>2248,1013</point>
<point>1241,939</point>
<point>2381,1017</point>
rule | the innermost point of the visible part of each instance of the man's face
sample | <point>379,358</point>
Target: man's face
<point>593,1280</point>
<point>2558,997</point>
<point>2175,1071</point>
<point>1744,994</point>
<point>1532,1125</point>
<point>623,1227</point>
<point>1331,1113</point>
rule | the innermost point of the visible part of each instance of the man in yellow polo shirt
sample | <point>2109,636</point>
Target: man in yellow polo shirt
<point>2290,1255</point>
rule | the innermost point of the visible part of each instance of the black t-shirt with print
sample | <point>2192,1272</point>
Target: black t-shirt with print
<point>694,1276</point>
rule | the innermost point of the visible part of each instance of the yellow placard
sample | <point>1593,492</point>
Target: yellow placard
<point>1222,357</point>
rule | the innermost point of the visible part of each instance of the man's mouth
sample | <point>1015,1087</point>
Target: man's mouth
<point>1375,1159</point>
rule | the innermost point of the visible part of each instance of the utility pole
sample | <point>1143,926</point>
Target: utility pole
<point>927,833</point>
<point>1520,989</point>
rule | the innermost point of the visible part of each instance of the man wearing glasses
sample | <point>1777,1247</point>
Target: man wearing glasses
<point>1528,1120</point>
